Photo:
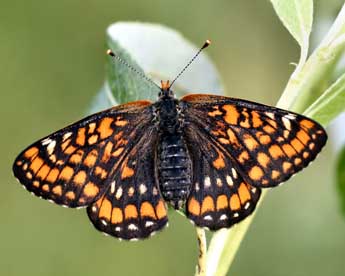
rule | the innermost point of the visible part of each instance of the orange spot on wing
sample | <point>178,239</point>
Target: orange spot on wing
<point>45,188</point>
<point>81,136</point>
<point>43,172</point>
<point>93,139</point>
<point>102,173</point>
<point>147,210</point>
<point>222,202</point>
<point>161,210</point>
<point>256,119</point>
<point>275,151</point>
<point>80,178</point>
<point>66,173</point>
<point>121,123</point>
<point>232,137</point>
<point>131,212</point>
<point>126,172</point>
<point>269,129</point>
<point>193,206</point>
<point>306,123</point>
<point>243,157</point>
<point>52,176</point>
<point>256,173</point>
<point>232,115</point>
<point>36,164</point>
<point>91,158</point>
<point>219,162</point>
<point>116,216</point>
<point>286,166</point>
<point>105,209</point>
<point>303,137</point>
<point>65,144</point>
<point>117,152</point>
<point>107,152</point>
<point>76,158</point>
<point>250,142</point>
<point>91,190</point>
<point>104,128</point>
<point>57,190</point>
<point>245,123</point>
<point>70,195</point>
<point>263,159</point>
<point>70,149</point>
<point>36,184</point>
<point>289,150</point>
<point>31,152</point>
<point>243,193</point>
<point>235,203</point>
<point>275,174</point>
<point>263,138</point>
<point>207,205</point>
<point>215,112</point>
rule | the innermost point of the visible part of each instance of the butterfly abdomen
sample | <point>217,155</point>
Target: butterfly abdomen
<point>174,169</point>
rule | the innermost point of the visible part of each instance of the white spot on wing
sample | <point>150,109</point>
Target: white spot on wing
<point>149,223</point>
<point>208,217</point>
<point>112,187</point>
<point>270,115</point>
<point>236,215</point>
<point>118,229</point>
<point>132,227</point>
<point>66,136</point>
<point>118,193</point>
<point>229,180</point>
<point>142,188</point>
<point>247,205</point>
<point>51,147</point>
<point>207,182</point>
<point>290,116</point>
<point>234,173</point>
<point>46,141</point>
<point>223,217</point>
<point>219,182</point>
<point>94,209</point>
<point>286,123</point>
<point>104,222</point>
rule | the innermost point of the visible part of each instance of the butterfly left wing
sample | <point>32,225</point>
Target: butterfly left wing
<point>219,197</point>
<point>267,145</point>
<point>132,206</point>
<point>72,166</point>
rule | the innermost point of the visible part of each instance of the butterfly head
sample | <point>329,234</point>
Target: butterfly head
<point>165,91</point>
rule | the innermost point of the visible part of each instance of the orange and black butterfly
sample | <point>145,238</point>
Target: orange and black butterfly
<point>208,155</point>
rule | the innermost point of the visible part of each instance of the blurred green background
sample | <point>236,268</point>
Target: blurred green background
<point>52,64</point>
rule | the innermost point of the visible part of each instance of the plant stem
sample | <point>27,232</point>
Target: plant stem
<point>202,243</point>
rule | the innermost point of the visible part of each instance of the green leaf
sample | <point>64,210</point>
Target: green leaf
<point>330,104</point>
<point>297,17</point>
<point>340,178</point>
<point>159,53</point>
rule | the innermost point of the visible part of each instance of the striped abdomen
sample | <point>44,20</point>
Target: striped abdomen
<point>174,169</point>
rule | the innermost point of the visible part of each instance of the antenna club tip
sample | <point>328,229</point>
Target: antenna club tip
<point>110,53</point>
<point>206,44</point>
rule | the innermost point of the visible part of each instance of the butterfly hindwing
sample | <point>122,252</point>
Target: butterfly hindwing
<point>268,144</point>
<point>219,196</point>
<point>72,166</point>
<point>132,206</point>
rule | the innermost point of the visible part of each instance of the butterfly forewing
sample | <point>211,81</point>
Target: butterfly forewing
<point>74,165</point>
<point>219,196</point>
<point>267,145</point>
<point>132,206</point>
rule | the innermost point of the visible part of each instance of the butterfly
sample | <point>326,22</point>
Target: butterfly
<point>207,155</point>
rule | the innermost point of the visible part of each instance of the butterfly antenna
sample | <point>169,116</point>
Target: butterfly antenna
<point>141,74</point>
<point>206,44</point>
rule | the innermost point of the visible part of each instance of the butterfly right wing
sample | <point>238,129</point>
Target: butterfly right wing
<point>219,196</point>
<point>72,166</point>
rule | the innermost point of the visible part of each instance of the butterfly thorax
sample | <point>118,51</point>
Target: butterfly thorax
<point>174,165</point>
